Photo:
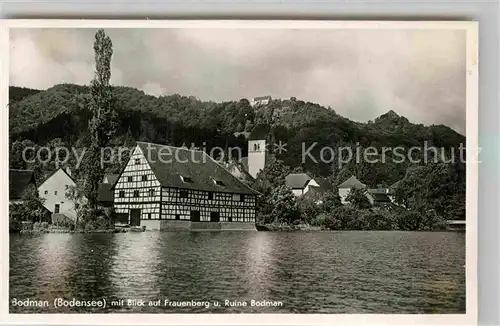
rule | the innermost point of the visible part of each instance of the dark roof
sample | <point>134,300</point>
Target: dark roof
<point>260,131</point>
<point>297,180</point>
<point>105,193</point>
<point>19,180</point>
<point>378,197</point>
<point>352,182</point>
<point>170,163</point>
<point>260,98</point>
<point>111,178</point>
<point>323,183</point>
<point>315,191</point>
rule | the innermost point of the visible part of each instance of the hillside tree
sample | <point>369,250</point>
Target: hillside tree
<point>102,124</point>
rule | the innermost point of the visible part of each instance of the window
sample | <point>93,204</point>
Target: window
<point>151,192</point>
<point>177,217</point>
<point>121,194</point>
<point>186,179</point>
<point>55,192</point>
<point>210,195</point>
<point>136,193</point>
<point>219,183</point>
<point>255,147</point>
<point>66,187</point>
<point>130,179</point>
<point>149,216</point>
<point>56,208</point>
<point>242,198</point>
<point>137,161</point>
<point>144,178</point>
<point>46,192</point>
<point>183,194</point>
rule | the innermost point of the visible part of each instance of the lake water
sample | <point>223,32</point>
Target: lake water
<point>308,272</point>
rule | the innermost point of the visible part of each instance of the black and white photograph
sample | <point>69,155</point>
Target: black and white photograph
<point>241,168</point>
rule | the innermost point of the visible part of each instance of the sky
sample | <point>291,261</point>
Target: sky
<point>361,74</point>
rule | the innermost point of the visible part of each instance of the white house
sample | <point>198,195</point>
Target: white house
<point>54,189</point>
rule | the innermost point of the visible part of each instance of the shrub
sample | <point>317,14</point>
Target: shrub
<point>308,209</point>
<point>320,220</point>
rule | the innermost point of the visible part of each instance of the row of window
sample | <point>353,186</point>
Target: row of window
<point>143,178</point>
<point>46,192</point>
<point>195,217</point>
<point>182,194</point>
<point>136,194</point>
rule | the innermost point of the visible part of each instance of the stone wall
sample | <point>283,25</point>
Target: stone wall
<point>179,225</point>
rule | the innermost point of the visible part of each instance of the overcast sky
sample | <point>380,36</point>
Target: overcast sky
<point>419,74</point>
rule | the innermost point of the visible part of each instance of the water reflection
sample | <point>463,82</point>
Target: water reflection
<point>310,272</point>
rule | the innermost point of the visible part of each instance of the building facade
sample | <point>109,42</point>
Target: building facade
<point>169,188</point>
<point>54,190</point>
<point>261,100</point>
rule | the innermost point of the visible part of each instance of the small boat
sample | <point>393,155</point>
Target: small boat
<point>137,229</point>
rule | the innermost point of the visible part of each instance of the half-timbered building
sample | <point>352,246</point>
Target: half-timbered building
<point>170,188</point>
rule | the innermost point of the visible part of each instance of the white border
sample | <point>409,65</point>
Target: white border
<point>469,318</point>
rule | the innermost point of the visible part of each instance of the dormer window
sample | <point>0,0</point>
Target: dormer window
<point>186,179</point>
<point>219,183</point>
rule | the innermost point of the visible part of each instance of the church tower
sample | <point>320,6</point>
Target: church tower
<point>257,153</point>
<point>256,156</point>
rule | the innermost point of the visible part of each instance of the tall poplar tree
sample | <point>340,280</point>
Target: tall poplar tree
<point>103,123</point>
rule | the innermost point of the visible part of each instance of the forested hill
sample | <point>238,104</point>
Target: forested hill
<point>18,93</point>
<point>60,115</point>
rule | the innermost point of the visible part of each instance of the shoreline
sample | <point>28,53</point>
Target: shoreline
<point>260,228</point>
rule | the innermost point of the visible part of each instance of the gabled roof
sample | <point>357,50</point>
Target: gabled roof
<point>105,193</point>
<point>19,181</point>
<point>297,180</point>
<point>352,182</point>
<point>54,172</point>
<point>111,178</point>
<point>169,163</point>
